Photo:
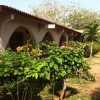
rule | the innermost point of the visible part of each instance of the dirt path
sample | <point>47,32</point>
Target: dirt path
<point>91,87</point>
<point>95,70</point>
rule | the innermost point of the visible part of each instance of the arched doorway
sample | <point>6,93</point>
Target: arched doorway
<point>62,40</point>
<point>20,37</point>
<point>47,37</point>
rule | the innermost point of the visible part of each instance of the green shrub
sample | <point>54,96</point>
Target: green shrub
<point>52,63</point>
<point>96,47</point>
<point>87,48</point>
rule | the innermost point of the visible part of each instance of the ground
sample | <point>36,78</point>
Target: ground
<point>91,90</point>
<point>95,69</point>
<point>87,90</point>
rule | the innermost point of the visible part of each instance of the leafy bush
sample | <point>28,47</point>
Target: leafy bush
<point>96,47</point>
<point>66,62</point>
<point>47,62</point>
<point>87,48</point>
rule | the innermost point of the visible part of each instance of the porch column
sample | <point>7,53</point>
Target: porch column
<point>1,46</point>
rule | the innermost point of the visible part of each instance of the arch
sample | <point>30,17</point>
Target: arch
<point>20,37</point>
<point>62,39</point>
<point>48,37</point>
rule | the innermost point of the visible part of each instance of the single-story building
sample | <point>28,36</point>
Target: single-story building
<point>16,27</point>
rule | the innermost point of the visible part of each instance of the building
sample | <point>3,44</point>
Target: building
<point>16,27</point>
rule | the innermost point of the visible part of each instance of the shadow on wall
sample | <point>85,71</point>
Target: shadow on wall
<point>47,37</point>
<point>20,37</point>
<point>95,94</point>
<point>62,40</point>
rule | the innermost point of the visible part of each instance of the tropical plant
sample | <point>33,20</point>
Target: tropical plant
<point>91,33</point>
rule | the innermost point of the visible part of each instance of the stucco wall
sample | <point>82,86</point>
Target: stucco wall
<point>36,29</point>
<point>1,24</point>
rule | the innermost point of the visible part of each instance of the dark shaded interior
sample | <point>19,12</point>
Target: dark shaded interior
<point>47,37</point>
<point>62,40</point>
<point>20,37</point>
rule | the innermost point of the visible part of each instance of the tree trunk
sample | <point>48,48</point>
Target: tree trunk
<point>91,49</point>
<point>63,90</point>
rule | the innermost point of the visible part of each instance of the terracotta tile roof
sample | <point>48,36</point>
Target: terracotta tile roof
<point>4,8</point>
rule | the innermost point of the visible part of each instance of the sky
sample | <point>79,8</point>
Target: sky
<point>27,5</point>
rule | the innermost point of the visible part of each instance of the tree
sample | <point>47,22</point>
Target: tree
<point>53,11</point>
<point>81,18</point>
<point>91,31</point>
<point>69,16</point>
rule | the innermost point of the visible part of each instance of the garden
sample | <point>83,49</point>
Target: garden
<point>45,71</point>
<point>42,71</point>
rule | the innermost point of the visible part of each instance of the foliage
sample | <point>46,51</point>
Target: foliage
<point>91,34</point>
<point>81,18</point>
<point>50,10</point>
<point>69,16</point>
<point>91,31</point>
<point>96,47</point>
<point>67,61</point>
<point>50,63</point>
<point>53,11</point>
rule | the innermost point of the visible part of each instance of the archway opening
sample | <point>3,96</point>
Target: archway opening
<point>20,37</point>
<point>47,37</point>
<point>62,40</point>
